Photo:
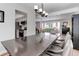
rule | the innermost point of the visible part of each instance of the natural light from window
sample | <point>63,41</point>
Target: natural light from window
<point>50,25</point>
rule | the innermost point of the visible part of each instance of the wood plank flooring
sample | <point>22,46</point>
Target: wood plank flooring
<point>75,52</point>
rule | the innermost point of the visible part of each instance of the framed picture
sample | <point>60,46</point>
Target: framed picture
<point>1,16</point>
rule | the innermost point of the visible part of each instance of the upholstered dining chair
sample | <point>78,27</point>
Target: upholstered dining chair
<point>56,50</point>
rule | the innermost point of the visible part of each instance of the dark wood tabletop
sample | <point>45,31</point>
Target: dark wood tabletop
<point>33,46</point>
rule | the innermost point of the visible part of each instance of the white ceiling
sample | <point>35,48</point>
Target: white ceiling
<point>52,7</point>
<point>19,14</point>
<point>56,10</point>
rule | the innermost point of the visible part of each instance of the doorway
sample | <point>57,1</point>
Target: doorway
<point>20,25</point>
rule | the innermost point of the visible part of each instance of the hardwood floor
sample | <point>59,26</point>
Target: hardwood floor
<point>75,52</point>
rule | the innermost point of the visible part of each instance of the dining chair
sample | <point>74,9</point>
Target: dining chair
<point>56,48</point>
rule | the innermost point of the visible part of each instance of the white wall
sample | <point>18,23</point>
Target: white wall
<point>7,29</point>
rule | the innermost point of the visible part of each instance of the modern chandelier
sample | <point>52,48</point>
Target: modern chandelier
<point>40,11</point>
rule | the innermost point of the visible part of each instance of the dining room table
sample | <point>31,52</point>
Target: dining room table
<point>34,45</point>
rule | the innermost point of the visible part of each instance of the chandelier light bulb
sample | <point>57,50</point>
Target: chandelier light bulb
<point>35,7</point>
<point>44,12</point>
<point>40,10</point>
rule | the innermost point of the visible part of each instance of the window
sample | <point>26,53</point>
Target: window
<point>50,25</point>
<point>54,25</point>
